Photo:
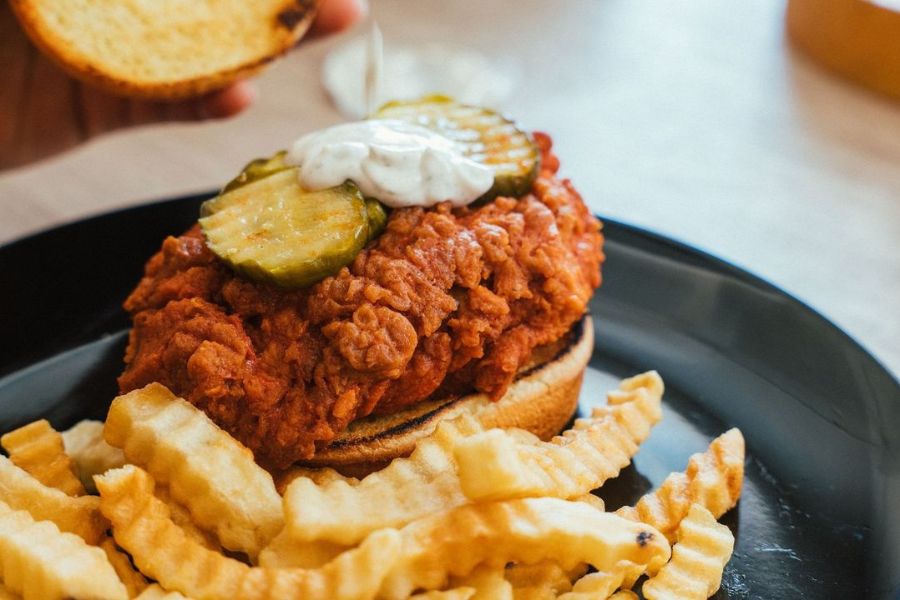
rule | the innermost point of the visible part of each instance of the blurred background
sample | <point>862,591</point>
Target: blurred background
<point>696,119</point>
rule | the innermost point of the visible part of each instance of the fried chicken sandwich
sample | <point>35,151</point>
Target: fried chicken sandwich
<point>337,299</point>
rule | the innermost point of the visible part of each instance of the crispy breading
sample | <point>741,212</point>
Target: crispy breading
<point>444,301</point>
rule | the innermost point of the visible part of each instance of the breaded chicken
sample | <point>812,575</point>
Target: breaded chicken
<point>444,301</point>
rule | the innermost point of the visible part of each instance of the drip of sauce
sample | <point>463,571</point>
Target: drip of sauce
<point>397,163</point>
<point>412,70</point>
<point>374,68</point>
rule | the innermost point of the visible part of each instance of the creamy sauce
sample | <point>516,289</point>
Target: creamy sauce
<point>392,161</point>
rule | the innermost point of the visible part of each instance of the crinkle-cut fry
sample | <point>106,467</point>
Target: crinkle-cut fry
<point>40,562</point>
<point>85,445</point>
<point>593,500</point>
<point>319,476</point>
<point>493,466</point>
<point>405,490</point>
<point>461,593</point>
<point>698,559</point>
<point>38,449</point>
<point>181,516</point>
<point>488,583</point>
<point>648,380</point>
<point>156,592</point>
<point>620,595</point>
<point>162,551</point>
<point>713,479</point>
<point>525,531</point>
<point>284,552</point>
<point>80,515</point>
<point>208,471</point>
<point>601,584</point>
<point>134,582</point>
<point>546,579</point>
<point>8,594</point>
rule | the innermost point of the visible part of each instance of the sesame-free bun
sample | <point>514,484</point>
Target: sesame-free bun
<point>163,49</point>
<point>542,399</point>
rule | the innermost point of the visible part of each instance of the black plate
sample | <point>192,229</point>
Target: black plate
<point>820,514</point>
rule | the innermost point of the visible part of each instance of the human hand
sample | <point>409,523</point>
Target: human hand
<point>44,111</point>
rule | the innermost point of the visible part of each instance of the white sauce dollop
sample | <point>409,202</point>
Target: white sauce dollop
<point>397,163</point>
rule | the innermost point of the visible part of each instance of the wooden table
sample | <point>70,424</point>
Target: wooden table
<point>693,118</point>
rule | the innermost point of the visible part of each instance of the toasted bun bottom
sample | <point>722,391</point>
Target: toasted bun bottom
<point>542,399</point>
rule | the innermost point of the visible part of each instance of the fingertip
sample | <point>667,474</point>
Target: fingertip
<point>229,101</point>
<point>337,15</point>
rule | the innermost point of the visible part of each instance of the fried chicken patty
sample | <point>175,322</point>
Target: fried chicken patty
<point>444,301</point>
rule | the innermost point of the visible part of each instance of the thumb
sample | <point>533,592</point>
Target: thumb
<point>229,101</point>
<point>221,104</point>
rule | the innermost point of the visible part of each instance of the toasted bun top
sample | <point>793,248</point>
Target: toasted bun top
<point>163,49</point>
<point>541,400</point>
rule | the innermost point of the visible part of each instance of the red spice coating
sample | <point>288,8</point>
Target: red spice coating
<point>445,300</point>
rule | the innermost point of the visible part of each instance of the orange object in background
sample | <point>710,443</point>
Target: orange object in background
<point>859,39</point>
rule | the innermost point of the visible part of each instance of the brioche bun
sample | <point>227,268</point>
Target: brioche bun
<point>542,400</point>
<point>166,49</point>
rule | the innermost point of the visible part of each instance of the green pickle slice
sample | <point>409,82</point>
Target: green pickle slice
<point>378,217</point>
<point>483,135</point>
<point>271,230</point>
<point>258,169</point>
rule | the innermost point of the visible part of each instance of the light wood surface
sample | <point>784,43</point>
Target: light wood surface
<point>693,118</point>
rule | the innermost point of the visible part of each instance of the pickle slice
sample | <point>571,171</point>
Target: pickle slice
<point>272,230</point>
<point>377,217</point>
<point>257,169</point>
<point>483,135</point>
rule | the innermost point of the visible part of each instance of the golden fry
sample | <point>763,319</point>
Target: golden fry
<point>487,583</point>
<point>698,559</point>
<point>601,584</point>
<point>205,469</point>
<point>405,490</point>
<point>595,501</point>
<point>523,531</point>
<point>40,562</point>
<point>80,515</point>
<point>8,594</point>
<point>134,582</point>
<point>161,550</point>
<point>713,479</point>
<point>414,519</point>
<point>38,449</point>
<point>155,592</point>
<point>546,579</point>
<point>463,593</point>
<point>320,477</point>
<point>494,466</point>
<point>284,552</point>
<point>84,443</point>
<point>182,517</point>
<point>648,380</point>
